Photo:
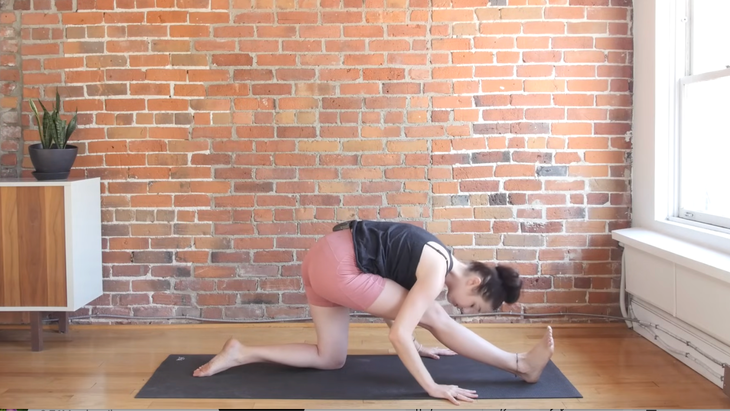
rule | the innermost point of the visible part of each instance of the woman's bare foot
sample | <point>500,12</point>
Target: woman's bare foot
<point>531,364</point>
<point>232,355</point>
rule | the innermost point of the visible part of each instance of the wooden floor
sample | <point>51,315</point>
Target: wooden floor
<point>103,367</point>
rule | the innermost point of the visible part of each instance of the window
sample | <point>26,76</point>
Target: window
<point>703,143</point>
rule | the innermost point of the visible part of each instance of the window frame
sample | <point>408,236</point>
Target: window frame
<point>684,56</point>
<point>659,57</point>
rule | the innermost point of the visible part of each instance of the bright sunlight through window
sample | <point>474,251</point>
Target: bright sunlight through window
<point>704,110</point>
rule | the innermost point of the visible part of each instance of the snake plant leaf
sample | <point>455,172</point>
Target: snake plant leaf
<point>48,129</point>
<point>38,120</point>
<point>47,126</point>
<point>43,106</point>
<point>71,126</point>
<point>60,130</point>
<point>61,135</point>
<point>54,125</point>
<point>47,123</point>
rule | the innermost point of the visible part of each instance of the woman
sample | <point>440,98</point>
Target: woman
<point>395,271</point>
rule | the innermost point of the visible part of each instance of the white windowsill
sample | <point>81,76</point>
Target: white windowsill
<point>710,262</point>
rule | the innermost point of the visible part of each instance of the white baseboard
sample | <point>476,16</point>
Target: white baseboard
<point>719,351</point>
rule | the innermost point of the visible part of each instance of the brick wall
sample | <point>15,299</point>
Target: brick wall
<point>10,90</point>
<point>229,135</point>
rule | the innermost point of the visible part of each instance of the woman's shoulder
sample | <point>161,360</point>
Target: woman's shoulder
<point>410,228</point>
<point>386,225</point>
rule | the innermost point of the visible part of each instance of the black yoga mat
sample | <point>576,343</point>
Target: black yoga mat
<point>364,377</point>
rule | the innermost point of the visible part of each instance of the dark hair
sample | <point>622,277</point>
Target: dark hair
<point>500,284</point>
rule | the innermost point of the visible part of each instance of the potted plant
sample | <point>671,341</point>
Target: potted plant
<point>53,157</point>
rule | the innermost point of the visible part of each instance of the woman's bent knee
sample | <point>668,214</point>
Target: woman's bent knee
<point>333,362</point>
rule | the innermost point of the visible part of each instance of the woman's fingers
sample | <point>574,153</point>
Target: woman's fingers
<point>451,398</point>
<point>467,394</point>
<point>463,397</point>
<point>464,394</point>
<point>471,394</point>
<point>454,394</point>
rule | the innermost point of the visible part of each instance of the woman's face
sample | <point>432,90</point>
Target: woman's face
<point>464,296</point>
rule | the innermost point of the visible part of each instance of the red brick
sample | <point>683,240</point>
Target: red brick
<point>280,284</point>
<point>567,297</point>
<point>216,299</point>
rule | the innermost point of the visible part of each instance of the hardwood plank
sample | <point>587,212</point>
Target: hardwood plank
<point>35,401</point>
<point>696,389</point>
<point>103,367</point>
<point>23,381</point>
<point>82,392</point>
<point>74,381</point>
<point>123,401</point>
<point>163,404</point>
<point>630,403</point>
<point>29,368</point>
<point>409,404</point>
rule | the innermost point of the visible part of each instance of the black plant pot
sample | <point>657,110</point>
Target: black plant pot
<point>52,163</point>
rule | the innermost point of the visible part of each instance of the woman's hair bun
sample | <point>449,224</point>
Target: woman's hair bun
<point>511,282</point>
<point>500,284</point>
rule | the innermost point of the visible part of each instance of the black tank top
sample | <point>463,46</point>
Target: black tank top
<point>392,249</point>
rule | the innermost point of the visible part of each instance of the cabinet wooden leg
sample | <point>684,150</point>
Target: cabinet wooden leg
<point>63,322</point>
<point>36,331</point>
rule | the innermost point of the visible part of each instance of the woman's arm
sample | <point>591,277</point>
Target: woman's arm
<point>390,325</point>
<point>428,286</point>
<point>418,345</point>
<point>419,298</point>
<point>427,352</point>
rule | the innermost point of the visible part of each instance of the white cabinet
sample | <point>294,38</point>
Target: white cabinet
<point>50,246</point>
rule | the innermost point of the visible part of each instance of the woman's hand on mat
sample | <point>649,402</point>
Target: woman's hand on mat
<point>453,393</point>
<point>433,352</point>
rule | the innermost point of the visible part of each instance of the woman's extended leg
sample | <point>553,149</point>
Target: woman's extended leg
<point>528,365</point>
<point>330,352</point>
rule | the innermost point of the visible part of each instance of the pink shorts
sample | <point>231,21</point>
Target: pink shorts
<point>331,276</point>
